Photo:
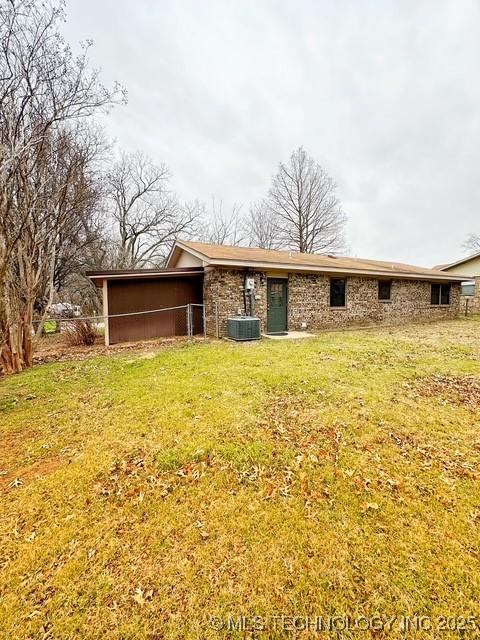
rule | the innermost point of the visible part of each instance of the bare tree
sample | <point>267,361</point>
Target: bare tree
<point>220,227</point>
<point>147,216</point>
<point>472,243</point>
<point>303,200</point>
<point>45,92</point>
<point>81,242</point>
<point>261,227</point>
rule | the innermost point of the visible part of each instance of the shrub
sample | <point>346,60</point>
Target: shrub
<point>50,326</point>
<point>80,332</point>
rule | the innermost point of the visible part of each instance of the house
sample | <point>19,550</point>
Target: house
<point>469,268</point>
<point>286,290</point>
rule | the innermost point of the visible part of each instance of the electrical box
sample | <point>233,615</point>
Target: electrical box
<point>249,283</point>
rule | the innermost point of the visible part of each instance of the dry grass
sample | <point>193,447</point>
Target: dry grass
<point>80,332</point>
<point>338,475</point>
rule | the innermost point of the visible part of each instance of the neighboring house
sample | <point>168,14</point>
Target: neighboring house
<point>469,268</point>
<point>291,291</point>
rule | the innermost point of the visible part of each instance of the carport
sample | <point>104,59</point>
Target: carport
<point>150,303</point>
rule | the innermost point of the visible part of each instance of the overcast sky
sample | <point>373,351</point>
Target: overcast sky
<point>385,95</point>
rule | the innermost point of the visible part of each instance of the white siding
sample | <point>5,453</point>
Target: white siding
<point>470,268</point>
<point>187,260</point>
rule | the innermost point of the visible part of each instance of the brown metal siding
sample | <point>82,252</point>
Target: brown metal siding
<point>126,296</point>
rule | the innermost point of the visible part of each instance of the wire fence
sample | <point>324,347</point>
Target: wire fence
<point>470,305</point>
<point>187,319</point>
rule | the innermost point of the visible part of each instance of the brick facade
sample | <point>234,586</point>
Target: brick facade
<point>223,298</point>
<point>309,300</point>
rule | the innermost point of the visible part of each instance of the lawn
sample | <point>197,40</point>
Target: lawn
<point>156,494</point>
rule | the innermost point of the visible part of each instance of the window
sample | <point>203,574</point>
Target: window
<point>384,290</point>
<point>337,292</point>
<point>468,289</point>
<point>440,294</point>
<point>445,294</point>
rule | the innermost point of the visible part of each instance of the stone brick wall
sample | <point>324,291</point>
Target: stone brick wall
<point>223,290</point>
<point>309,301</point>
<point>473,301</point>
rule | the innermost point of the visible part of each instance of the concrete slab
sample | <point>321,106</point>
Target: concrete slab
<point>291,335</point>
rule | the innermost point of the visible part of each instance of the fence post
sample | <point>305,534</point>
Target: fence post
<point>188,321</point>
<point>204,320</point>
<point>217,328</point>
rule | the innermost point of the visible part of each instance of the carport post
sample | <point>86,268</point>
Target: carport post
<point>105,312</point>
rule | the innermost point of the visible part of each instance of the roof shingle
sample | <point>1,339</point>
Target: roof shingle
<point>284,259</point>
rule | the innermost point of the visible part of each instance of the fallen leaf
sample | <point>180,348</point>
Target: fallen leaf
<point>370,506</point>
<point>138,597</point>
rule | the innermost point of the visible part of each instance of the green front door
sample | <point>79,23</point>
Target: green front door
<point>277,293</point>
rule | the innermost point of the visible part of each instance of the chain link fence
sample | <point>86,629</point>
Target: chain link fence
<point>183,320</point>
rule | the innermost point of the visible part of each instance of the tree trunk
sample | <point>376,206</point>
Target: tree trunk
<point>27,330</point>
<point>11,350</point>
<point>6,360</point>
<point>12,332</point>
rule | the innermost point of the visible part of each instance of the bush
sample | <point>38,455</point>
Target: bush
<point>80,332</point>
<point>50,326</point>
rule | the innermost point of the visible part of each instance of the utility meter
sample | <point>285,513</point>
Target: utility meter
<point>250,283</point>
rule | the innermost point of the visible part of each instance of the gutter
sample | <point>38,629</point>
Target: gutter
<point>105,275</point>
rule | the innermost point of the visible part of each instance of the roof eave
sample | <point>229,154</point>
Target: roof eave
<point>184,247</point>
<point>97,276</point>
<point>334,270</point>
<point>444,267</point>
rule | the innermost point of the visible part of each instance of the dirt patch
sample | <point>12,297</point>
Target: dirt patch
<point>460,390</point>
<point>16,479</point>
<point>56,349</point>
